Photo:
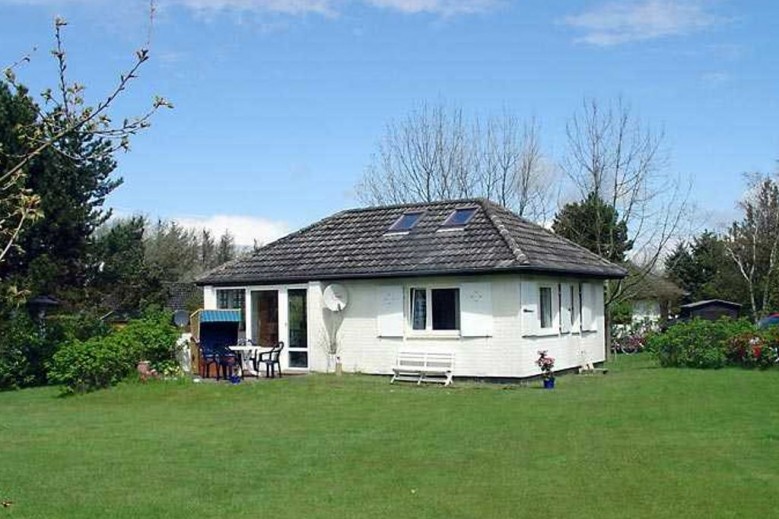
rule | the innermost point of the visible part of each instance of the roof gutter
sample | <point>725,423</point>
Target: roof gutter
<point>416,274</point>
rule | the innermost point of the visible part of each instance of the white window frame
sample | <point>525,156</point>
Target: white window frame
<point>241,303</point>
<point>429,331</point>
<point>554,328</point>
<point>541,327</point>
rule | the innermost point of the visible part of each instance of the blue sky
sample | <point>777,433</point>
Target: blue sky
<point>280,103</point>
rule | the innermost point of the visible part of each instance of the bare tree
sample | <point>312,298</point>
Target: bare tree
<point>63,112</point>
<point>614,157</point>
<point>512,171</point>
<point>421,158</point>
<point>753,242</point>
<point>436,154</point>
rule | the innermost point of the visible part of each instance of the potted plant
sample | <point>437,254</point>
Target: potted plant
<point>546,363</point>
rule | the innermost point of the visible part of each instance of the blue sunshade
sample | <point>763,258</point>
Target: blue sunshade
<point>460,217</point>
<point>406,222</point>
<point>220,316</point>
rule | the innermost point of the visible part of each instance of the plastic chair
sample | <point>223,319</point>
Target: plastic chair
<point>209,356</point>
<point>271,360</point>
<point>228,360</point>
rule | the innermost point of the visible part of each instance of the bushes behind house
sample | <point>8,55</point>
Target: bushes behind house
<point>99,362</point>
<point>714,344</point>
<point>27,345</point>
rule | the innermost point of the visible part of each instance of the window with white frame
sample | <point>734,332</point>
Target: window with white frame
<point>232,299</point>
<point>573,304</point>
<point>434,309</point>
<point>545,307</point>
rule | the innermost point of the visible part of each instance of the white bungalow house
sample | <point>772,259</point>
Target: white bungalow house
<point>466,277</point>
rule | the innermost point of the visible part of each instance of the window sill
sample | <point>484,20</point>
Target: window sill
<point>545,333</point>
<point>434,334</point>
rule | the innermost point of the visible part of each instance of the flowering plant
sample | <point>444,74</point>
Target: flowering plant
<point>546,363</point>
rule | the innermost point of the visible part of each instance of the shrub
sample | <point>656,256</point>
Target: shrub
<point>92,364</point>
<point>27,346</point>
<point>22,345</point>
<point>86,365</point>
<point>755,349</point>
<point>151,338</point>
<point>697,343</point>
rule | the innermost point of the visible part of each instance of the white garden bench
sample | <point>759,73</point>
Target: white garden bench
<point>421,367</point>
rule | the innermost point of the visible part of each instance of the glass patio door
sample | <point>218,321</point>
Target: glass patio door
<point>298,331</point>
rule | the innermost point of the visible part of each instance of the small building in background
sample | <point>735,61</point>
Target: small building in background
<point>654,298</point>
<point>710,309</point>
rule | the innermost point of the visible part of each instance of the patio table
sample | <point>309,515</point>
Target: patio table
<point>246,352</point>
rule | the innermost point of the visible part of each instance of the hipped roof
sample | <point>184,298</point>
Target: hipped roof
<point>356,244</point>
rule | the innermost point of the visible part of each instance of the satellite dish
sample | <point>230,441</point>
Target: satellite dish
<point>335,297</point>
<point>181,318</point>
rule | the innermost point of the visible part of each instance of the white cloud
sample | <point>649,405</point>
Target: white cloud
<point>616,23</point>
<point>290,7</point>
<point>245,229</point>
<point>444,7</point>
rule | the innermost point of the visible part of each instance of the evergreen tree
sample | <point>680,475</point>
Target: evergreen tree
<point>71,180</point>
<point>123,282</point>
<point>207,250</point>
<point>226,250</point>
<point>596,226</point>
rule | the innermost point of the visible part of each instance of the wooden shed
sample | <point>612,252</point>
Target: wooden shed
<point>710,309</point>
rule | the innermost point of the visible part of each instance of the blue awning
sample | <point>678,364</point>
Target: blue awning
<point>220,316</point>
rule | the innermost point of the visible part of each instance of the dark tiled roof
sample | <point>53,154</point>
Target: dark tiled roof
<point>183,295</point>
<point>355,244</point>
<point>647,285</point>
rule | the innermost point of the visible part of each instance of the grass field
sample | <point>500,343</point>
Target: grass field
<point>638,442</point>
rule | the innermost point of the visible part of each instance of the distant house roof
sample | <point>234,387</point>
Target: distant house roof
<point>708,302</point>
<point>358,243</point>
<point>647,285</point>
<point>182,295</point>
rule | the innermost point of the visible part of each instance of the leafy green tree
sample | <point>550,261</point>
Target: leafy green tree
<point>596,226</point>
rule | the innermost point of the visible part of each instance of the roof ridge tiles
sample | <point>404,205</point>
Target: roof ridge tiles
<point>512,244</point>
<point>414,204</point>
<point>561,238</point>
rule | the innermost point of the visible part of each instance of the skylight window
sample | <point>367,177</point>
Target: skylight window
<point>460,217</point>
<point>406,222</point>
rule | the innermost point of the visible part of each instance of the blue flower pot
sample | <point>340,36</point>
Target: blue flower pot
<point>548,383</point>
<point>235,379</point>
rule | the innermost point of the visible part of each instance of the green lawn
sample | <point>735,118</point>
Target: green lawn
<point>638,442</point>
